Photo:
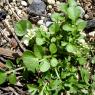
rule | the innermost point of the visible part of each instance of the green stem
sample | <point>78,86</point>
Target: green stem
<point>18,69</point>
<point>57,74</point>
<point>43,89</point>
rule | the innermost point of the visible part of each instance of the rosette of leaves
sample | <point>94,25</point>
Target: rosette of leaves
<point>56,59</point>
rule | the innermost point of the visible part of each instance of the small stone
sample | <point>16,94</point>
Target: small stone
<point>48,23</point>
<point>49,14</point>
<point>19,12</point>
<point>37,7</point>
<point>57,2</point>
<point>42,18</point>
<point>92,33</point>
<point>8,17</point>
<point>51,1</point>
<point>23,3</point>
<point>86,16</point>
<point>40,22</point>
<point>49,6</point>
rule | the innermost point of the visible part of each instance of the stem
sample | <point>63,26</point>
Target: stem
<point>43,88</point>
<point>57,74</point>
<point>18,69</point>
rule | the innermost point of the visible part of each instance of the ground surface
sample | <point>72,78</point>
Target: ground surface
<point>12,11</point>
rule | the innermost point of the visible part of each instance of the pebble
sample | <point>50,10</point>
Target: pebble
<point>86,16</point>
<point>48,23</point>
<point>37,7</point>
<point>51,1</point>
<point>40,22</point>
<point>19,12</point>
<point>92,33</point>
<point>49,6</point>
<point>42,17</point>
<point>23,3</point>
<point>57,2</point>
<point>49,14</point>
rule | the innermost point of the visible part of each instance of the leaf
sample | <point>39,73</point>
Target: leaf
<point>32,89</point>
<point>12,78</point>
<point>54,62</point>
<point>85,75</point>
<point>81,24</point>
<point>38,51</point>
<point>22,26</point>
<point>72,3</point>
<point>3,77</point>
<point>9,64</point>
<point>30,62</point>
<point>57,17</point>
<point>71,48</point>
<point>55,27</point>
<point>39,41</point>
<point>63,7</point>
<point>44,66</point>
<point>52,48</point>
<point>82,60</point>
<point>73,13</point>
<point>68,27</point>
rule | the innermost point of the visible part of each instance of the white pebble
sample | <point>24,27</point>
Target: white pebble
<point>92,33</point>
<point>57,2</point>
<point>19,12</point>
<point>49,6</point>
<point>40,22</point>
<point>86,16</point>
<point>51,1</point>
<point>48,23</point>
<point>42,18</point>
<point>23,3</point>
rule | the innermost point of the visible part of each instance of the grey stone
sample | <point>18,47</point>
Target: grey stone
<point>37,7</point>
<point>90,24</point>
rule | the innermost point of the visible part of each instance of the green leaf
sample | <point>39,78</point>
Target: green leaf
<point>32,89</point>
<point>81,24</point>
<point>38,51</point>
<point>54,62</point>
<point>9,64</point>
<point>72,3</point>
<point>68,27</point>
<point>63,7</point>
<point>39,41</point>
<point>57,17</point>
<point>22,26</point>
<point>55,27</point>
<point>85,75</point>
<point>71,48</point>
<point>73,13</point>
<point>44,65</point>
<point>30,62</point>
<point>3,77</point>
<point>82,60</point>
<point>52,48</point>
<point>12,78</point>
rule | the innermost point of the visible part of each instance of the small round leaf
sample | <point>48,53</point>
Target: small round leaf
<point>44,66</point>
<point>54,62</point>
<point>22,26</point>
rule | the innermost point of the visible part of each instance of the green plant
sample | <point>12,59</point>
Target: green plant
<point>56,62</point>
